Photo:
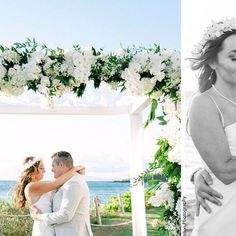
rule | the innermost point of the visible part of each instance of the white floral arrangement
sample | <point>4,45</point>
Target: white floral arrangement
<point>53,72</point>
<point>215,31</point>
<point>30,163</point>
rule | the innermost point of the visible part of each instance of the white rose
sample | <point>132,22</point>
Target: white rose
<point>162,196</point>
<point>171,131</point>
<point>37,57</point>
<point>156,95</point>
<point>3,71</point>
<point>178,206</point>
<point>10,56</point>
<point>171,108</point>
<point>120,52</point>
<point>174,155</point>
<point>148,84</point>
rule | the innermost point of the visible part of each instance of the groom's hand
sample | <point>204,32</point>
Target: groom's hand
<point>203,191</point>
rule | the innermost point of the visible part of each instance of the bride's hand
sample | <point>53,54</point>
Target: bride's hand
<point>35,216</point>
<point>80,169</point>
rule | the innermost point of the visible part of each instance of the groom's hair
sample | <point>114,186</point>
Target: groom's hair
<point>64,157</point>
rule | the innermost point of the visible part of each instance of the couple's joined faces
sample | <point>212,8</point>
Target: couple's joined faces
<point>226,60</point>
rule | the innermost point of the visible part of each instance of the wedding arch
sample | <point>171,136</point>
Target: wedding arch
<point>145,75</point>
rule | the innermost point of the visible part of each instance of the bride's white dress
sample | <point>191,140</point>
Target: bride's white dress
<point>222,220</point>
<point>44,204</point>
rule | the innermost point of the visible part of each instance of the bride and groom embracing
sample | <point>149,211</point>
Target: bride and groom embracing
<point>59,207</point>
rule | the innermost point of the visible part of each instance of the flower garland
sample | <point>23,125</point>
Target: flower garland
<point>53,72</point>
<point>140,71</point>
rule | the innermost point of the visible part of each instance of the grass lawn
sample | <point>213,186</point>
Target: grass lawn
<point>124,230</point>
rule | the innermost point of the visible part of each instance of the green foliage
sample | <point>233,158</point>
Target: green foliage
<point>20,226</point>
<point>152,114</point>
<point>113,205</point>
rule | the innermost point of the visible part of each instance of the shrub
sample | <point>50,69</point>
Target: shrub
<point>14,225</point>
<point>113,205</point>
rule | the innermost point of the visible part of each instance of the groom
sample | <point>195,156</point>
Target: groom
<point>70,203</point>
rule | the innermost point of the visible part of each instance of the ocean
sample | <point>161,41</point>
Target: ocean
<point>103,189</point>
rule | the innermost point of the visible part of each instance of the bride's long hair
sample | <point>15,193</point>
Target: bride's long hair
<point>19,199</point>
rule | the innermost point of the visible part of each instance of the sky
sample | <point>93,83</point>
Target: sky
<point>100,143</point>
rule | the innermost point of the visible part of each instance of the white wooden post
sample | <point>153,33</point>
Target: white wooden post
<point>122,209</point>
<point>97,207</point>
<point>136,162</point>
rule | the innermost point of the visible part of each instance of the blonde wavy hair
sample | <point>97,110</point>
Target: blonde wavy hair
<point>19,199</point>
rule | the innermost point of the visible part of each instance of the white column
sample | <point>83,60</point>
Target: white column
<point>136,162</point>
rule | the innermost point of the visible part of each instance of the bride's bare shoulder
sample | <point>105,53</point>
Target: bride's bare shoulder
<point>203,106</point>
<point>202,101</point>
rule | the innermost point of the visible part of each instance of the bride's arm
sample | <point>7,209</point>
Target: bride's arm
<point>39,188</point>
<point>210,140</point>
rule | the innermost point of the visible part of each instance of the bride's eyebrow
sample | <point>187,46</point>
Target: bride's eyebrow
<point>232,51</point>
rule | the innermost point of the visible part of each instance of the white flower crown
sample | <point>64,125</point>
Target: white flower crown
<point>30,163</point>
<point>215,31</point>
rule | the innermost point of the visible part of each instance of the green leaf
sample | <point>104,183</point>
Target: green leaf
<point>79,90</point>
<point>1,48</point>
<point>152,113</point>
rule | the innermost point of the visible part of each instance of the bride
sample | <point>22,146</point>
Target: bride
<point>213,124</point>
<point>30,191</point>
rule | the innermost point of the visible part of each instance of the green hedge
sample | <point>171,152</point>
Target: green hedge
<point>16,225</point>
<point>112,205</point>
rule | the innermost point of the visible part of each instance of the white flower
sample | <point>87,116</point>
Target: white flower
<point>38,56</point>
<point>32,70</point>
<point>156,95</point>
<point>178,206</point>
<point>171,131</point>
<point>16,83</point>
<point>12,90</point>
<point>120,52</point>
<point>160,76</point>
<point>142,63</point>
<point>148,84</point>
<point>3,71</point>
<point>114,85</point>
<point>44,81</point>
<point>171,108</point>
<point>162,196</point>
<point>174,155</point>
<point>11,56</point>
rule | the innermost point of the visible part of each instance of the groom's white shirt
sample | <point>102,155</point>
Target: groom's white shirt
<point>70,214</point>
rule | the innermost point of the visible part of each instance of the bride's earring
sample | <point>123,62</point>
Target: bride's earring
<point>210,77</point>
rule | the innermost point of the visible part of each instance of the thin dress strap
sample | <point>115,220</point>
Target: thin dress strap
<point>221,115</point>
